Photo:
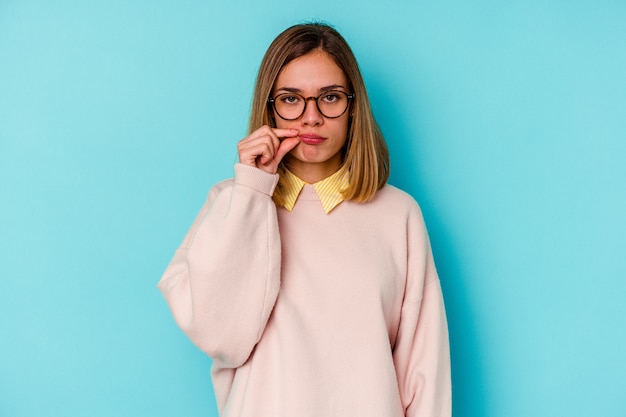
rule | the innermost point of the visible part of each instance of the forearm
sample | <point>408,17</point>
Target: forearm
<point>223,280</point>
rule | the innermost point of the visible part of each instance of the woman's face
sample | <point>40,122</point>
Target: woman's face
<point>318,155</point>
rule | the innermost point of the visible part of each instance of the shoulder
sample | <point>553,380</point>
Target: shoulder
<point>222,185</point>
<point>218,188</point>
<point>392,192</point>
<point>392,196</point>
<point>249,177</point>
<point>390,205</point>
<point>399,203</point>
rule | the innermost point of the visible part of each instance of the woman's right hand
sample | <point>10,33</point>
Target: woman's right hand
<point>265,147</point>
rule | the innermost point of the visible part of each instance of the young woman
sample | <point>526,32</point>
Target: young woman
<point>307,279</point>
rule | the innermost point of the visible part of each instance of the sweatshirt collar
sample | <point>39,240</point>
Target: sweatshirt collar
<point>329,190</point>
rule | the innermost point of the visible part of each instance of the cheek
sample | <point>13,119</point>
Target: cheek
<point>342,127</point>
<point>281,124</point>
<point>284,124</point>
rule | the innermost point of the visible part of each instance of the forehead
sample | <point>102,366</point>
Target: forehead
<point>311,72</point>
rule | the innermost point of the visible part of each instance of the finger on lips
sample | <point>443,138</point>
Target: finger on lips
<point>285,133</point>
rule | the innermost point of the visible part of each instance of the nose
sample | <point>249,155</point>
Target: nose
<point>311,115</point>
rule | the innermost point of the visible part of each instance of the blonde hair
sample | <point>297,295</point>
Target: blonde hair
<point>366,157</point>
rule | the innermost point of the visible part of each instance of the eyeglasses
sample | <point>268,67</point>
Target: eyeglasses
<point>291,106</point>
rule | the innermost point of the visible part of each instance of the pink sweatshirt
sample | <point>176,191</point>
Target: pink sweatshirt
<point>308,314</point>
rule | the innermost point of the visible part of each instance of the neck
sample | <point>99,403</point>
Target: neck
<point>313,172</point>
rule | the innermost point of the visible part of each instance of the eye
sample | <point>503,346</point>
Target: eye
<point>289,99</point>
<point>331,97</point>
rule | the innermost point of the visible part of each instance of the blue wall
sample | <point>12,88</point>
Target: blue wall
<point>506,120</point>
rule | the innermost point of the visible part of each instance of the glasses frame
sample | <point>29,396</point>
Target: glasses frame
<point>350,96</point>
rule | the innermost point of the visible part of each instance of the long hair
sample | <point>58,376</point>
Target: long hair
<point>366,157</point>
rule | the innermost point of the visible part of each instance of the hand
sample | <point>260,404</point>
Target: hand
<point>264,149</point>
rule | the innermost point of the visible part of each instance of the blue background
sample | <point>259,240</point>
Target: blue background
<point>505,120</point>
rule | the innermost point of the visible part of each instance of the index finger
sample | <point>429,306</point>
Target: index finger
<point>285,133</point>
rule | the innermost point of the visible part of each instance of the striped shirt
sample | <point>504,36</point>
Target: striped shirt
<point>329,190</point>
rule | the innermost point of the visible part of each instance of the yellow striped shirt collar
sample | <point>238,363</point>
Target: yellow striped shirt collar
<point>328,190</point>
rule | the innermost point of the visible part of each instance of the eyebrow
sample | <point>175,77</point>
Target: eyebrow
<point>321,89</point>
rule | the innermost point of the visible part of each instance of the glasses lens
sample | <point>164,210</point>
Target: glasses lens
<point>291,106</point>
<point>333,103</point>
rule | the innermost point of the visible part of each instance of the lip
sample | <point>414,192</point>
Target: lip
<point>311,138</point>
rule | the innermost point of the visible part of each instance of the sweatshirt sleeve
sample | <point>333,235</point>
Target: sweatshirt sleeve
<point>223,281</point>
<point>422,351</point>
